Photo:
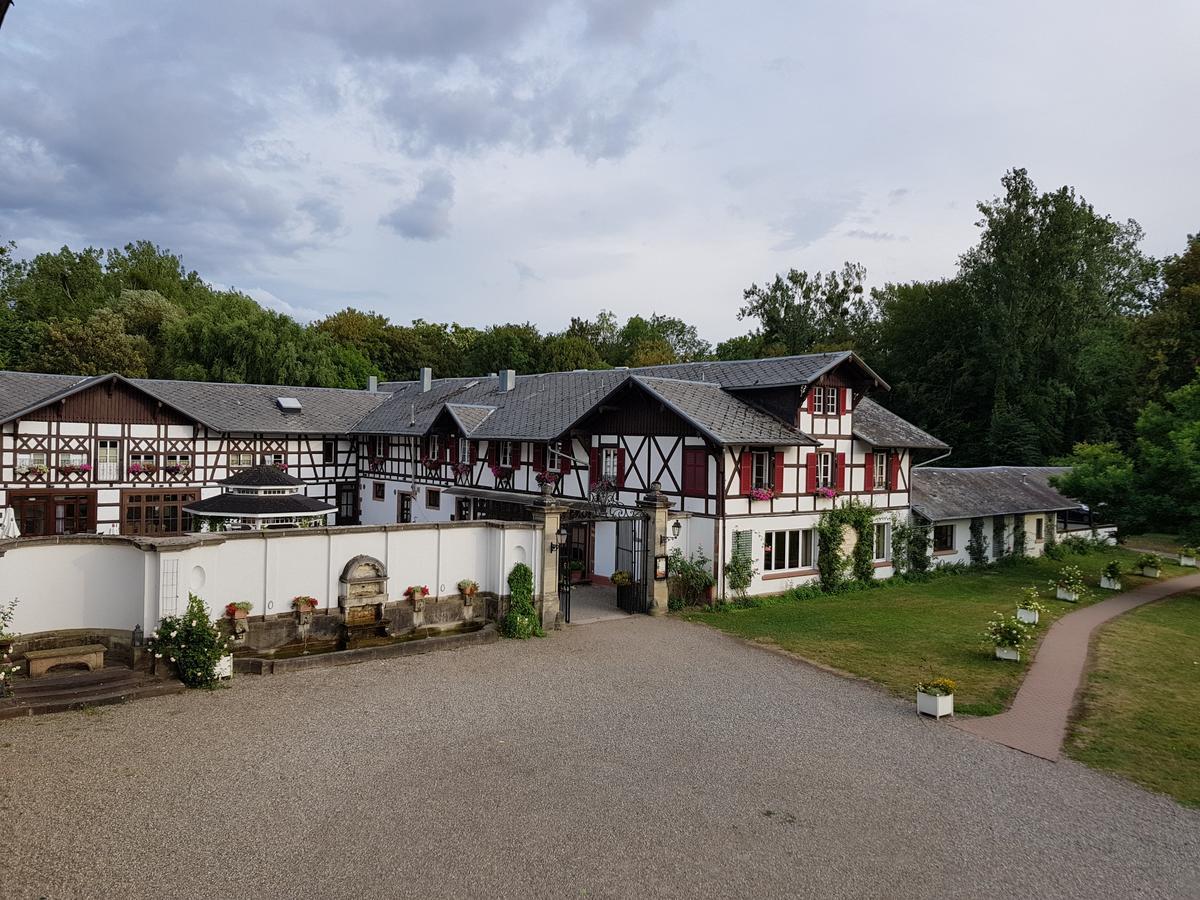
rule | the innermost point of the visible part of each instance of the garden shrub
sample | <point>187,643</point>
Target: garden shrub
<point>690,578</point>
<point>830,529</point>
<point>191,643</point>
<point>739,573</point>
<point>910,548</point>
<point>521,621</point>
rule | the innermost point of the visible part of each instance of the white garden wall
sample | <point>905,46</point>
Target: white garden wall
<point>116,582</point>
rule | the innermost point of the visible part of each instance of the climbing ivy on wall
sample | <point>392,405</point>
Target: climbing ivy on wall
<point>977,544</point>
<point>1018,536</point>
<point>910,547</point>
<point>831,564</point>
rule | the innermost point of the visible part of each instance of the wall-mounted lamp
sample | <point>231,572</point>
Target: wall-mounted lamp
<point>561,534</point>
<point>676,527</point>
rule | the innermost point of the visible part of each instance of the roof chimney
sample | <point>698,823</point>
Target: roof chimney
<point>508,379</point>
<point>372,383</point>
<point>426,379</point>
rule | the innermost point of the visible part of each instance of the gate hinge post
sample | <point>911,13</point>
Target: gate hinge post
<point>547,514</point>
<point>656,506</point>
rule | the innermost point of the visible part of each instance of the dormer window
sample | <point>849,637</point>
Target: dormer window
<point>826,401</point>
<point>505,456</point>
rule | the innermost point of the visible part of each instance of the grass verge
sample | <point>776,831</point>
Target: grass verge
<point>899,632</point>
<point>1138,713</point>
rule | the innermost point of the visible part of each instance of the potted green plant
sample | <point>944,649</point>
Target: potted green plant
<point>417,594</point>
<point>1069,585</point>
<point>1006,634</point>
<point>1187,557</point>
<point>935,697</point>
<point>622,578</point>
<point>468,588</point>
<point>576,568</point>
<point>1149,565</point>
<point>304,604</point>
<point>238,610</point>
<point>1110,578</point>
<point>1029,607</point>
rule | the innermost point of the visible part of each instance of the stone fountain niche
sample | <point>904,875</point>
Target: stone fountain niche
<point>362,593</point>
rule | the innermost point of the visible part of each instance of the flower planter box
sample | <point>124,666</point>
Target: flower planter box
<point>240,614</point>
<point>224,666</point>
<point>1009,653</point>
<point>935,705</point>
<point>1188,561</point>
<point>1150,571</point>
<point>1110,584</point>
<point>1065,594</point>
<point>1028,616</point>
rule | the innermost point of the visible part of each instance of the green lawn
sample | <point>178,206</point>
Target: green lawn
<point>892,635</point>
<point>1139,716</point>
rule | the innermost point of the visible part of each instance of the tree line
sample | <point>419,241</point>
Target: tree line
<point>1056,329</point>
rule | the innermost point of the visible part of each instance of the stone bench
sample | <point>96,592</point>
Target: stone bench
<point>41,661</point>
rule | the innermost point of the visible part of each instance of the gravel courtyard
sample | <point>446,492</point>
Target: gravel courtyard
<point>632,758</point>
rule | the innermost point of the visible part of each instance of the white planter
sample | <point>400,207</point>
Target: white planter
<point>1150,572</point>
<point>1010,653</point>
<point>934,705</point>
<point>1028,616</point>
<point>1189,561</point>
<point>224,666</point>
<point>1063,594</point>
<point>1110,584</point>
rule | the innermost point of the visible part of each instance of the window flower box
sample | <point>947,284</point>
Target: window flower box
<point>142,471</point>
<point>237,611</point>
<point>935,697</point>
<point>548,478</point>
<point>75,469</point>
<point>762,493</point>
<point>1070,585</point>
<point>501,473</point>
<point>1064,593</point>
<point>1012,654</point>
<point>1149,565</point>
<point>825,493</point>
<point>178,470</point>
<point>462,471</point>
<point>32,473</point>
<point>431,465</point>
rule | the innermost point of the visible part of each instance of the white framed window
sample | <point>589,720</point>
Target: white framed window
<point>1039,529</point>
<point>818,401</point>
<point>108,460</point>
<point>883,541</point>
<point>328,452</point>
<point>273,459</point>
<point>378,447</point>
<point>464,451</point>
<point>179,459</point>
<point>241,459</point>
<point>831,400</point>
<point>943,537</point>
<point>435,447</point>
<point>881,470</point>
<point>505,455</point>
<point>31,458</point>
<point>789,550</point>
<point>761,468</point>
<point>825,470</point>
<point>608,463</point>
<point>72,459</point>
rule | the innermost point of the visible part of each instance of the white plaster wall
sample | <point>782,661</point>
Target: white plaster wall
<point>605,562</point>
<point>74,586</point>
<point>117,585</point>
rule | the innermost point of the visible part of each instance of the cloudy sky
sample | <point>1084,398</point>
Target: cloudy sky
<point>493,160</point>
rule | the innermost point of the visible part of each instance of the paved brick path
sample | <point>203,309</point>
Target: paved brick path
<point>1037,721</point>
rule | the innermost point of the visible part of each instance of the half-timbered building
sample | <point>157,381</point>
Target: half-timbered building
<point>109,454</point>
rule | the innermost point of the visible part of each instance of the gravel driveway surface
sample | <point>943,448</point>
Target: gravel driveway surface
<point>633,758</point>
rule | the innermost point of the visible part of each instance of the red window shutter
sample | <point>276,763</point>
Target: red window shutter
<point>539,457</point>
<point>841,472</point>
<point>747,474</point>
<point>516,454</point>
<point>593,466</point>
<point>474,451</point>
<point>812,390</point>
<point>810,473</point>
<point>493,453</point>
<point>620,467</point>
<point>869,478</point>
<point>452,449</point>
<point>564,460</point>
<point>778,471</point>
<point>895,473</point>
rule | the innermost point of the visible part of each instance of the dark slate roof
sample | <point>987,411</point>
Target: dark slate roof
<point>219,405</point>
<point>261,476</point>
<point>259,505</point>
<point>722,417</point>
<point>942,494</point>
<point>882,428</point>
<point>22,391</point>
<point>774,371</point>
<point>469,416</point>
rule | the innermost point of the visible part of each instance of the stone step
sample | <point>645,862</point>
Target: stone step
<point>106,686</point>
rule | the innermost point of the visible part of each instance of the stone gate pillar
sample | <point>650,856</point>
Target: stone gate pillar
<point>548,513</point>
<point>656,506</point>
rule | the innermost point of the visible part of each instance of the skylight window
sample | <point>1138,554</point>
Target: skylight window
<point>288,404</point>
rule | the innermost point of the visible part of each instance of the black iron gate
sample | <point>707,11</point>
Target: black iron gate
<point>633,566</point>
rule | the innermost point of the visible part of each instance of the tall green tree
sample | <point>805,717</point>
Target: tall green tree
<point>1168,337</point>
<point>805,313</point>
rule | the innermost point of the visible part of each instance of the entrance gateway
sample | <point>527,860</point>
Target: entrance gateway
<point>632,552</point>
